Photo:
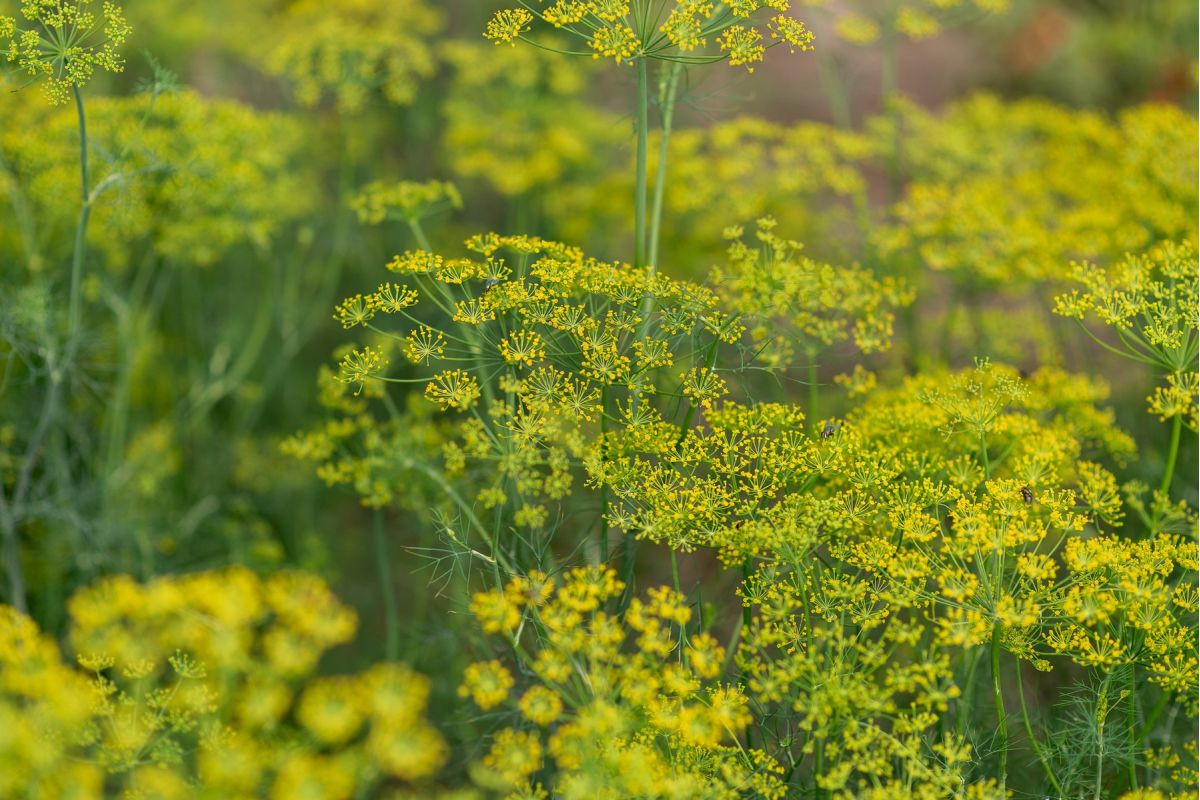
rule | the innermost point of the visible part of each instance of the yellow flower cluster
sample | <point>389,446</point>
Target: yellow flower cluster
<point>201,687</point>
<point>44,706</point>
<point>627,705</point>
<point>543,343</point>
<point>955,515</point>
<point>850,664</point>
<point>355,49</point>
<point>1004,193</point>
<point>791,302</point>
<point>195,177</point>
<point>405,200</point>
<point>1149,301</point>
<point>739,169</point>
<point>67,44</point>
<point>680,31</point>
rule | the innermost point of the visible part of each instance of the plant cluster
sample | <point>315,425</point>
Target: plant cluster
<point>739,459</point>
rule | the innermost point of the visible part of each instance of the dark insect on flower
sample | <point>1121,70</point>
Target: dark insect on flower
<point>489,283</point>
<point>1027,495</point>
<point>829,430</point>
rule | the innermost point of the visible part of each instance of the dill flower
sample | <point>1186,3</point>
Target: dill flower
<point>743,168</point>
<point>540,705</point>
<point>391,298</point>
<point>330,709</point>
<point>680,31</point>
<point>68,44</point>
<point>453,389</point>
<point>487,683</point>
<point>182,665</point>
<point>819,304</point>
<point>640,719</point>
<point>522,347</point>
<point>514,756</point>
<point>359,366</point>
<point>496,611</point>
<point>542,336</point>
<point>742,45</point>
<point>508,25</point>
<point>424,344</point>
<point>791,31</point>
<point>1148,300</point>
<point>406,200</point>
<point>361,47</point>
<point>190,178</point>
<point>353,311</point>
<point>998,194</point>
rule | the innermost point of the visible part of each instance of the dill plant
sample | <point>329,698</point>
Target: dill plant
<point>896,567</point>
<point>932,582</point>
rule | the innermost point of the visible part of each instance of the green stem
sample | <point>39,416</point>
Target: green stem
<point>667,106</point>
<point>391,647</point>
<point>660,178</point>
<point>418,233</point>
<point>1172,454</point>
<point>643,132</point>
<point>835,89</point>
<point>85,213</point>
<point>1041,754</point>
<point>998,697</point>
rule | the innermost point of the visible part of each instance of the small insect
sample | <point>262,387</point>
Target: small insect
<point>829,430</point>
<point>1027,495</point>
<point>490,282</point>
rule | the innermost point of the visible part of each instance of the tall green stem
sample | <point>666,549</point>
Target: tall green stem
<point>1037,748</point>
<point>998,697</point>
<point>643,133</point>
<point>85,213</point>
<point>667,109</point>
<point>391,646</point>
<point>1172,454</point>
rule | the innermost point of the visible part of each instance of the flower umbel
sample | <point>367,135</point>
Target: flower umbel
<point>67,44</point>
